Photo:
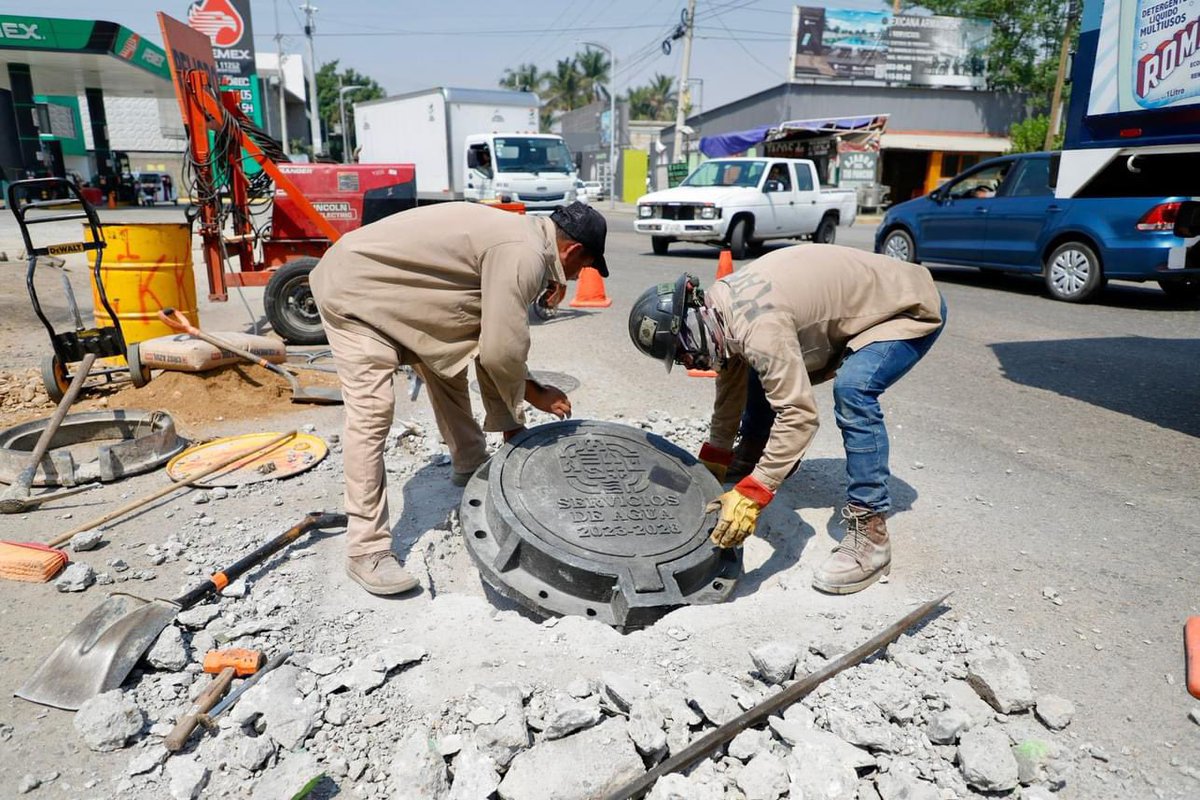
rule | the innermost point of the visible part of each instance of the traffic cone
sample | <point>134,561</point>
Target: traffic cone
<point>701,373</point>
<point>725,265</point>
<point>590,292</point>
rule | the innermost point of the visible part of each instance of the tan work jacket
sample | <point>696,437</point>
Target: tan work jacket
<point>447,283</point>
<point>793,315</point>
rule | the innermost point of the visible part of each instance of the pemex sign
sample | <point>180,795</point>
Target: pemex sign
<point>226,23</point>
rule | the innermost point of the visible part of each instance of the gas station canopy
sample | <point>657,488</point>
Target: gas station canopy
<point>67,56</point>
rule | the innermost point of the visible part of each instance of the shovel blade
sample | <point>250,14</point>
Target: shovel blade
<point>99,653</point>
<point>317,395</point>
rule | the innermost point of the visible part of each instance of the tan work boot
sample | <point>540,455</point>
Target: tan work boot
<point>380,573</point>
<point>862,557</point>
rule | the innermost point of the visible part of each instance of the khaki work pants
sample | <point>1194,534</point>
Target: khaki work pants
<point>367,368</point>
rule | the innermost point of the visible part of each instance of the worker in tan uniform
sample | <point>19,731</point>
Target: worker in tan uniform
<point>436,288</point>
<point>796,317</point>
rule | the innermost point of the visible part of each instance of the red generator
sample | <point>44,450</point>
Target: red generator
<point>347,196</point>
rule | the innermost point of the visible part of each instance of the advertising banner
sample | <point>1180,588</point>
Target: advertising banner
<point>841,43</point>
<point>1148,56</point>
<point>227,25</point>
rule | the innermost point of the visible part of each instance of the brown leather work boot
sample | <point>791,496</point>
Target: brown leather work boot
<point>380,573</point>
<point>862,557</point>
<point>746,453</point>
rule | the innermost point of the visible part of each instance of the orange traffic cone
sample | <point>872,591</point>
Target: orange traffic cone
<point>590,293</point>
<point>725,265</point>
<point>701,373</point>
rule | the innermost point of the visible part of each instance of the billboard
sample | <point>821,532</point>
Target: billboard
<point>848,44</point>
<point>1148,56</point>
<point>227,25</point>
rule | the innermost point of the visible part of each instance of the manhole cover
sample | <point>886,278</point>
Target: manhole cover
<point>599,520</point>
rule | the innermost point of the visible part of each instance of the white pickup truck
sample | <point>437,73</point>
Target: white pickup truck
<point>740,203</point>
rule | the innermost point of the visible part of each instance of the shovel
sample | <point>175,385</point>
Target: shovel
<point>300,394</point>
<point>98,654</point>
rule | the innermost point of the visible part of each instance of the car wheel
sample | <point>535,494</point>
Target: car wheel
<point>290,305</point>
<point>826,232</point>
<point>1185,289</point>
<point>1073,272</point>
<point>660,244</point>
<point>899,245</point>
<point>738,237</point>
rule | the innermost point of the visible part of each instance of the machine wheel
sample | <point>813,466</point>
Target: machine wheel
<point>54,378</point>
<point>738,237</point>
<point>138,373</point>
<point>1184,290</point>
<point>290,306</point>
<point>899,245</point>
<point>1073,272</point>
<point>826,232</point>
<point>660,245</point>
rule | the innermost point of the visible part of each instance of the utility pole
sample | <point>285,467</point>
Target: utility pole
<point>1060,79</point>
<point>314,106</point>
<point>283,131</point>
<point>684,66</point>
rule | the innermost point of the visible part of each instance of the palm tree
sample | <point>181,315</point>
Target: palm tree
<point>525,78</point>
<point>594,67</point>
<point>565,88</point>
<point>662,96</point>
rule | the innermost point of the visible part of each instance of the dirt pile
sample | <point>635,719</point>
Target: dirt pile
<point>22,394</point>
<point>201,398</point>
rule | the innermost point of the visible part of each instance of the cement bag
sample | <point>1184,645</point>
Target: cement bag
<point>184,353</point>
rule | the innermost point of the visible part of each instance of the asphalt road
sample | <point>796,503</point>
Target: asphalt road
<point>1040,447</point>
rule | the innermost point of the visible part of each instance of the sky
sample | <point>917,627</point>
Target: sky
<point>741,46</point>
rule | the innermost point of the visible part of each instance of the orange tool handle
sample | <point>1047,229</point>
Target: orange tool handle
<point>1191,654</point>
<point>215,690</point>
<point>244,661</point>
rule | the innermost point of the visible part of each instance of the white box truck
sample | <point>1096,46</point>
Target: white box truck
<point>469,144</point>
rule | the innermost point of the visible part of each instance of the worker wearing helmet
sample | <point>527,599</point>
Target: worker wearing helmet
<point>436,288</point>
<point>796,317</point>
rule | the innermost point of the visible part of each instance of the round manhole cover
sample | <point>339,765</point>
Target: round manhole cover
<point>597,519</point>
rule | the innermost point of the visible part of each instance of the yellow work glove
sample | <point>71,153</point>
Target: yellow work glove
<point>739,508</point>
<point>716,460</point>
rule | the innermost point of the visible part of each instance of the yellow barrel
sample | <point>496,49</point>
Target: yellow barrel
<point>147,267</point>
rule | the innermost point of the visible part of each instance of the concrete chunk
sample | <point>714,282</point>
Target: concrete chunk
<point>986,760</point>
<point>1001,680</point>
<point>553,770</point>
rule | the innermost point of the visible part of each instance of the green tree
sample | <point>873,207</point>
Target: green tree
<point>1029,135</point>
<point>594,66</point>
<point>525,78</point>
<point>655,100</point>
<point>329,80</point>
<point>1026,36</point>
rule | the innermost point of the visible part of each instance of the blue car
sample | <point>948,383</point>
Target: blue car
<point>1002,214</point>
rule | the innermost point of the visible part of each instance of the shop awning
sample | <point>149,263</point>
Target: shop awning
<point>728,144</point>
<point>946,142</point>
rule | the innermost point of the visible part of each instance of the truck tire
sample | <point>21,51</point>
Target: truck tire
<point>1073,272</point>
<point>290,306</point>
<point>899,245</point>
<point>739,235</point>
<point>826,232</point>
<point>660,244</point>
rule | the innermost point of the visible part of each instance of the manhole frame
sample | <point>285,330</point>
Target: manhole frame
<point>515,561</point>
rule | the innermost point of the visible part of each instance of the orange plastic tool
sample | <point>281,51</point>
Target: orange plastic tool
<point>243,661</point>
<point>1191,654</point>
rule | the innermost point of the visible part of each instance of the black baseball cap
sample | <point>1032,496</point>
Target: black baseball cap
<point>585,225</point>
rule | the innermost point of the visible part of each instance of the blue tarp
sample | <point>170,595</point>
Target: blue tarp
<point>726,144</point>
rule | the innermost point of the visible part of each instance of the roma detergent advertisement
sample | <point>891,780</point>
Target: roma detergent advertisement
<point>1156,60</point>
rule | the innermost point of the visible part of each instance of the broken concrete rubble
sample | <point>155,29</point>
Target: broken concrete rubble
<point>108,720</point>
<point>550,770</point>
<point>1001,680</point>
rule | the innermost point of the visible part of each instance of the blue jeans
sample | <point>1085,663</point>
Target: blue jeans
<point>862,377</point>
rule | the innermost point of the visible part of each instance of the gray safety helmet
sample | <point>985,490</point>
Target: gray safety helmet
<point>657,318</point>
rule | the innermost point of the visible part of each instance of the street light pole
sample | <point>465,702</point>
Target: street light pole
<point>342,110</point>
<point>612,122</point>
